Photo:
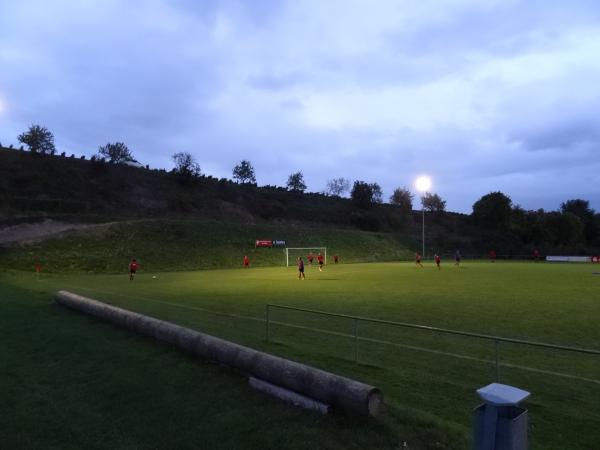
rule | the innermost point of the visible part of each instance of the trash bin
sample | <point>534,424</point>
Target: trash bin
<point>500,423</point>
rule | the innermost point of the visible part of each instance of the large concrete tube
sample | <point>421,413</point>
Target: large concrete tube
<point>340,392</point>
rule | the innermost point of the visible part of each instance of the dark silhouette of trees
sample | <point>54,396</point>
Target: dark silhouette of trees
<point>337,187</point>
<point>364,195</point>
<point>115,153</point>
<point>296,183</point>
<point>493,210</point>
<point>581,208</point>
<point>403,199</point>
<point>39,140</point>
<point>186,165</point>
<point>433,202</point>
<point>244,172</point>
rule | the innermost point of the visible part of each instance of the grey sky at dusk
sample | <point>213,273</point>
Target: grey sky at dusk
<point>482,96</point>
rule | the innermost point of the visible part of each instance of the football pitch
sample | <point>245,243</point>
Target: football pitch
<point>427,376</point>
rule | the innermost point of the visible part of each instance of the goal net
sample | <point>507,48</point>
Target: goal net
<point>292,254</point>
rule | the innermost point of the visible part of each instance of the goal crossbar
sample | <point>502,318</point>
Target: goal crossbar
<point>287,253</point>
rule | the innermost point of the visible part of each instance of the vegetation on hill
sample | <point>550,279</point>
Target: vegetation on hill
<point>34,185</point>
<point>171,245</point>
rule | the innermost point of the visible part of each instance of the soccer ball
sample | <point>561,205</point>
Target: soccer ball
<point>153,276</point>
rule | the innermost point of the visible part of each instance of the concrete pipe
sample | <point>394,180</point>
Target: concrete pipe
<point>339,392</point>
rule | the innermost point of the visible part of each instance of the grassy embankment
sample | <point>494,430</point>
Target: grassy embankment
<point>187,245</point>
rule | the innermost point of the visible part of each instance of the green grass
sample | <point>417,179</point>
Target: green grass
<point>81,365</point>
<point>189,245</point>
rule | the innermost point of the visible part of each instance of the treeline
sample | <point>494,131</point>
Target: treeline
<point>113,184</point>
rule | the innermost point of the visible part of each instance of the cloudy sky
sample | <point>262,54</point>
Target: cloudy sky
<point>481,95</point>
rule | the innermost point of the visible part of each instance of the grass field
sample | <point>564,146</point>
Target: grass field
<point>428,379</point>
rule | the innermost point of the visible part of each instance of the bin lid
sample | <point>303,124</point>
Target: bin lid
<point>502,394</point>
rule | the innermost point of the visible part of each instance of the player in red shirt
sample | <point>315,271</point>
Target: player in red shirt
<point>310,258</point>
<point>38,269</point>
<point>418,259</point>
<point>320,260</point>
<point>336,259</point>
<point>492,255</point>
<point>536,255</point>
<point>438,260</point>
<point>133,267</point>
<point>301,269</point>
<point>246,262</point>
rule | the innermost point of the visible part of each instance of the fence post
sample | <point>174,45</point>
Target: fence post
<point>497,345</point>
<point>267,324</point>
<point>355,340</point>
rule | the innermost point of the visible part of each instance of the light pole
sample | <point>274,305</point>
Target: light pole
<point>423,184</point>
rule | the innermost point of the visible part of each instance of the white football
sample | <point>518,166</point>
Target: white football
<point>153,276</point>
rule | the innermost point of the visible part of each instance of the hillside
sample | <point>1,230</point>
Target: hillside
<point>170,245</point>
<point>80,192</point>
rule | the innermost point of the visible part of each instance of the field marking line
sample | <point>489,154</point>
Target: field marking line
<point>346,335</point>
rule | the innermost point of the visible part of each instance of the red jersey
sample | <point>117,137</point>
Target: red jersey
<point>437,259</point>
<point>133,266</point>
<point>310,257</point>
<point>320,259</point>
<point>246,261</point>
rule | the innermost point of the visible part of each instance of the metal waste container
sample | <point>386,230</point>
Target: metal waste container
<point>500,423</point>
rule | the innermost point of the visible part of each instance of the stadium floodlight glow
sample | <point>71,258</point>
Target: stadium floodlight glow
<point>423,185</point>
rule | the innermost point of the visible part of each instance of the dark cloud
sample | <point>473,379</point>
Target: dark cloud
<point>482,96</point>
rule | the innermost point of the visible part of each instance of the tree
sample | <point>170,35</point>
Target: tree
<point>565,228</point>
<point>39,140</point>
<point>581,208</point>
<point>244,172</point>
<point>402,198</point>
<point>186,165</point>
<point>493,209</point>
<point>362,194</point>
<point>115,153</point>
<point>377,193</point>
<point>433,202</point>
<point>296,183</point>
<point>338,186</point>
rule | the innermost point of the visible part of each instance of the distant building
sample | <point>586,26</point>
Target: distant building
<point>134,163</point>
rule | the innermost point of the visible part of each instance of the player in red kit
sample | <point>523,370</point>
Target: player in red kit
<point>492,255</point>
<point>438,260</point>
<point>336,259</point>
<point>418,259</point>
<point>246,262</point>
<point>133,267</point>
<point>310,258</point>
<point>320,261</point>
<point>536,255</point>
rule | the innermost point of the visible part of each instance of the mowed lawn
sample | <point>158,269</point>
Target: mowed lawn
<point>428,379</point>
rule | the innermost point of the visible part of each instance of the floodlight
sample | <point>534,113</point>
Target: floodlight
<point>423,183</point>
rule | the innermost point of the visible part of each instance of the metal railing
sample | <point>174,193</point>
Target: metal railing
<point>356,319</point>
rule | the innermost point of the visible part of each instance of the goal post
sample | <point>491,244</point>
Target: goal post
<point>294,252</point>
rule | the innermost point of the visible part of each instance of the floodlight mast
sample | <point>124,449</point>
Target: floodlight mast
<point>423,184</point>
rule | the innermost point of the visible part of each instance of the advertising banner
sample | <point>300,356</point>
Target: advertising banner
<point>263,243</point>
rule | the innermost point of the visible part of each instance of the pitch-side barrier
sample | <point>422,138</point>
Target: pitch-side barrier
<point>333,390</point>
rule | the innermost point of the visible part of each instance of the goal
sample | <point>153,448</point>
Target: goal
<point>291,253</point>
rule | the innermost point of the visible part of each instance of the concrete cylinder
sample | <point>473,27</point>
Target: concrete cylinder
<point>339,392</point>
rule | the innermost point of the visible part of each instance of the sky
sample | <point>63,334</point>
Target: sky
<point>480,95</point>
